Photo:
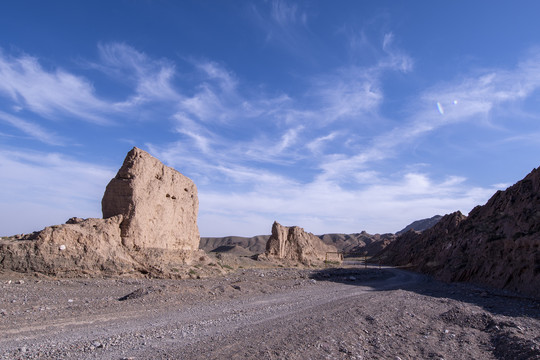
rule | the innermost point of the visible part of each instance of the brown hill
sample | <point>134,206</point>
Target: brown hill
<point>233,250</point>
<point>498,244</point>
<point>358,243</point>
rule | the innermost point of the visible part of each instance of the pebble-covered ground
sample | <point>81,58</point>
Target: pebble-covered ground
<point>352,313</point>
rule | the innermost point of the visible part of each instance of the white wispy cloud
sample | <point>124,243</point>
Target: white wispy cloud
<point>355,92</point>
<point>317,146</point>
<point>153,78</point>
<point>347,93</point>
<point>386,205</point>
<point>51,94</point>
<point>479,95</point>
<point>347,192</point>
<point>31,129</point>
<point>293,158</point>
<point>285,24</point>
<point>287,13</point>
<point>39,189</point>
<point>395,58</point>
<point>201,137</point>
<point>213,70</point>
<point>471,99</point>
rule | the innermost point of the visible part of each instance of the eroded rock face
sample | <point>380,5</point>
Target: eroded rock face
<point>149,226</point>
<point>159,205</point>
<point>498,244</point>
<point>421,225</point>
<point>293,243</point>
<point>77,247</point>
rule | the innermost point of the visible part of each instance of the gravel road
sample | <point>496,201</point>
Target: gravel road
<point>351,313</point>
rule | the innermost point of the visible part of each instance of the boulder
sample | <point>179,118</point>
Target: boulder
<point>293,243</point>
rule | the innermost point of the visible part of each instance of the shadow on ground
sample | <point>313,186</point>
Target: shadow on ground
<point>386,279</point>
<point>502,333</point>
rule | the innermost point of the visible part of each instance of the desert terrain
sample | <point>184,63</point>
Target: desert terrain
<point>141,284</point>
<point>267,313</point>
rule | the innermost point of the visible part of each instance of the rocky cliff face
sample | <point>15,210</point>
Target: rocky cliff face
<point>159,205</point>
<point>150,222</point>
<point>293,243</point>
<point>498,244</point>
<point>421,225</point>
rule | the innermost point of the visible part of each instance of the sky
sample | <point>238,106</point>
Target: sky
<point>336,116</point>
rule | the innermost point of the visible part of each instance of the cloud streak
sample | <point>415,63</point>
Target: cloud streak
<point>40,189</point>
<point>33,130</point>
<point>310,158</point>
<point>152,78</point>
<point>50,94</point>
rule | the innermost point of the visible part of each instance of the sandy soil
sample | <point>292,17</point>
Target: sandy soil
<point>348,313</point>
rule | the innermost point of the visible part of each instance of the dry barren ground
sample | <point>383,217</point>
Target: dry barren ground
<point>350,313</point>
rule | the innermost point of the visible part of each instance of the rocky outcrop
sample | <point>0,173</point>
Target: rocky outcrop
<point>413,245</point>
<point>149,225</point>
<point>293,243</point>
<point>77,247</point>
<point>498,244</point>
<point>159,205</point>
<point>421,225</point>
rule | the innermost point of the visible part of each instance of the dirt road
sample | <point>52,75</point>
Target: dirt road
<point>266,314</point>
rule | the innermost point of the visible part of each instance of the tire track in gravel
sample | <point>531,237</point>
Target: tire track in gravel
<point>177,326</point>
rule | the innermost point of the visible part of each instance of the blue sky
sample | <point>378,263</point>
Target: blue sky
<point>335,116</point>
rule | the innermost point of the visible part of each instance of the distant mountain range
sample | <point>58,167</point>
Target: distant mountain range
<point>357,243</point>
